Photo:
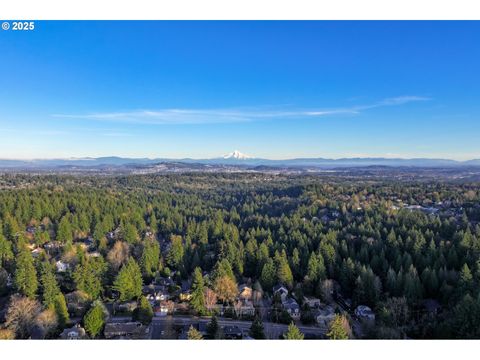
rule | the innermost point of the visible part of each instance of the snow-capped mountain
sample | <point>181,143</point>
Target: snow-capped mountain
<point>237,155</point>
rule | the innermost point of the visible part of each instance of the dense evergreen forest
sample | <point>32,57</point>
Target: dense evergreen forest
<point>392,245</point>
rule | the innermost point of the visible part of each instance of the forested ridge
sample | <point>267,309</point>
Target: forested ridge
<point>388,244</point>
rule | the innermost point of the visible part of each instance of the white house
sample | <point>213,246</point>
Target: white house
<point>62,266</point>
<point>292,307</point>
<point>312,302</point>
<point>282,290</point>
<point>74,333</point>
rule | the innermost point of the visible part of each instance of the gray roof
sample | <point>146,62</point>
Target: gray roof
<point>290,303</point>
<point>126,327</point>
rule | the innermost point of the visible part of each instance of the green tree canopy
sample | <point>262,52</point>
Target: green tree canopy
<point>293,333</point>
<point>129,281</point>
<point>198,292</point>
<point>94,319</point>
<point>26,281</point>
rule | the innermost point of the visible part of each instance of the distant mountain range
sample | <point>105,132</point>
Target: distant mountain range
<point>235,158</point>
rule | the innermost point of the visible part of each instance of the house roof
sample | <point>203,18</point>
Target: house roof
<point>364,311</point>
<point>325,311</point>
<point>77,329</point>
<point>242,287</point>
<point>126,327</point>
<point>278,288</point>
<point>290,303</point>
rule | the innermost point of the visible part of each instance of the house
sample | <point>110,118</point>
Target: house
<point>86,244</point>
<point>244,308</point>
<point>125,330</point>
<point>62,266</point>
<point>93,254</point>
<point>161,311</point>
<point>325,218</point>
<point>244,292</point>
<point>77,302</point>
<point>281,290</point>
<point>312,302</point>
<point>9,281</point>
<point>74,333</point>
<point>324,315</point>
<point>36,252</point>
<point>164,308</point>
<point>155,293</point>
<point>126,307</point>
<point>185,296</point>
<point>52,246</point>
<point>292,307</point>
<point>165,281</point>
<point>31,229</point>
<point>363,312</point>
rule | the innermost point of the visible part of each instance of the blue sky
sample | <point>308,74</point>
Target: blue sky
<point>269,89</point>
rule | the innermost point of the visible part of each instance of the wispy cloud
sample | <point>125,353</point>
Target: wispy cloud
<point>399,100</point>
<point>212,116</point>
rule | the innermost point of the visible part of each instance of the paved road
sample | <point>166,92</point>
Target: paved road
<point>162,327</point>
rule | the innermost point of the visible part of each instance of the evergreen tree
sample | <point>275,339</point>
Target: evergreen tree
<point>194,334</point>
<point>26,281</point>
<point>6,252</point>
<point>284,273</point>
<point>268,276</point>
<point>293,333</point>
<point>339,328</point>
<point>64,232</point>
<point>175,255</point>
<point>153,223</point>
<point>144,311</point>
<point>466,280</point>
<point>60,307</point>
<point>198,292</point>
<point>213,330</point>
<point>130,233</point>
<point>89,276</point>
<point>129,281</point>
<point>391,283</point>
<point>223,268</point>
<point>49,285</point>
<point>3,281</point>
<point>94,319</point>
<point>150,257</point>
<point>466,317</point>
<point>413,287</point>
<point>256,330</point>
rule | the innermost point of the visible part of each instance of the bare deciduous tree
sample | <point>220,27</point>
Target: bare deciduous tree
<point>21,315</point>
<point>210,299</point>
<point>118,255</point>
<point>225,288</point>
<point>47,321</point>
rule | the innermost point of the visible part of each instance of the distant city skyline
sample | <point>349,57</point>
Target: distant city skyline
<point>273,90</point>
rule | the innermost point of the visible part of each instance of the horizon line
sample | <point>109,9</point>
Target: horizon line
<point>250,158</point>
